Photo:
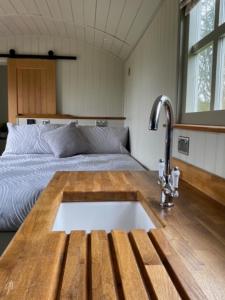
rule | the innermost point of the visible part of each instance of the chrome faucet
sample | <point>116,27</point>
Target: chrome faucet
<point>168,179</point>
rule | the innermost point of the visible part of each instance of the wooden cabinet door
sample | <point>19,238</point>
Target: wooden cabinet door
<point>31,87</point>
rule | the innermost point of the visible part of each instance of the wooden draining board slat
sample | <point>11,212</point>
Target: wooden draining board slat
<point>157,278</point>
<point>74,283</point>
<point>131,280</point>
<point>104,265</point>
<point>185,282</point>
<point>102,277</point>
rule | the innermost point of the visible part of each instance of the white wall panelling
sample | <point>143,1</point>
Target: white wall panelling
<point>153,72</point>
<point>92,85</point>
<point>115,25</point>
<point>207,150</point>
<point>82,122</point>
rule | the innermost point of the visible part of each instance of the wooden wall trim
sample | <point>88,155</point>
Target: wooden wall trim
<point>62,116</point>
<point>219,129</point>
<point>208,183</point>
<point>12,92</point>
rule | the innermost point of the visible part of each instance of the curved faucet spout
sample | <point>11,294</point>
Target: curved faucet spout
<point>163,101</point>
<point>156,109</point>
<point>165,180</point>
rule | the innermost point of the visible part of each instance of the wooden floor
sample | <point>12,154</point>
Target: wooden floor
<point>184,256</point>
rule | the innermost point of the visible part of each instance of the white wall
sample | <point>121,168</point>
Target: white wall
<point>206,151</point>
<point>153,72</point>
<point>92,85</point>
<point>153,67</point>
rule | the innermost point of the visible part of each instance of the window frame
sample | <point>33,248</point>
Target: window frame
<point>212,117</point>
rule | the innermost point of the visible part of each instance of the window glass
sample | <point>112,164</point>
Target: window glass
<point>203,90</point>
<point>220,78</point>
<point>202,19</point>
<point>199,81</point>
<point>222,12</point>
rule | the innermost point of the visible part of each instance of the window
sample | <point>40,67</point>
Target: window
<point>203,82</point>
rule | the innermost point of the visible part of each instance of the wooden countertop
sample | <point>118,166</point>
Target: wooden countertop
<point>184,256</point>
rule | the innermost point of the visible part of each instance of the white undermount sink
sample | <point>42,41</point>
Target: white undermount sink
<point>109,215</point>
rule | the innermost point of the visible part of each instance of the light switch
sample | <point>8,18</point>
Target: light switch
<point>183,145</point>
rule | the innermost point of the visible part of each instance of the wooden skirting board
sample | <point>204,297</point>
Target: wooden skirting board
<point>208,183</point>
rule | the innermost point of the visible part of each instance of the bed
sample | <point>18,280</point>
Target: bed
<point>23,177</point>
<point>35,152</point>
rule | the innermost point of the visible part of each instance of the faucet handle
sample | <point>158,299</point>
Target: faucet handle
<point>161,168</point>
<point>175,177</point>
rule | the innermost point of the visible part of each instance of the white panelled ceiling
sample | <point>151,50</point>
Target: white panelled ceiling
<point>114,25</point>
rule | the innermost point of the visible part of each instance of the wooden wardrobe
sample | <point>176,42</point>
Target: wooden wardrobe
<point>31,87</point>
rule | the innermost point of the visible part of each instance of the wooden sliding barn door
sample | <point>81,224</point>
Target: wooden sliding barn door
<point>31,87</point>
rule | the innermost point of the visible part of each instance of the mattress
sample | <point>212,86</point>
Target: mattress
<point>23,177</point>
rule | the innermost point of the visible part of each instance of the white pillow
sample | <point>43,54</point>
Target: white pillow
<point>27,139</point>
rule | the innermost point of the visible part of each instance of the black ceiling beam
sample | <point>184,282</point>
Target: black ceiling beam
<point>12,54</point>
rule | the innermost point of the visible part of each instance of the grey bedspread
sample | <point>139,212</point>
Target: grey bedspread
<point>23,177</point>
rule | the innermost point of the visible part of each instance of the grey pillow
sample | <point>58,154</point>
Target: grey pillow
<point>66,141</point>
<point>109,140</point>
<point>27,139</point>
